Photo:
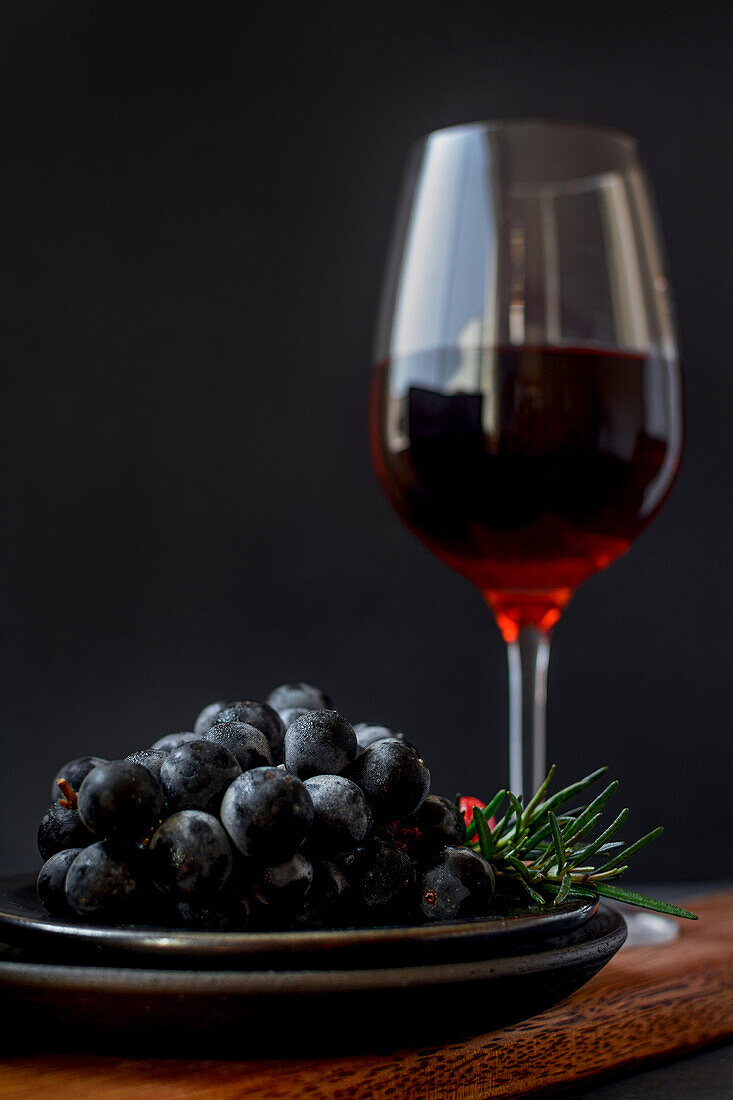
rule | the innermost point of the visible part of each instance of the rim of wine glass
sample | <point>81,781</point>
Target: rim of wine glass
<point>549,123</point>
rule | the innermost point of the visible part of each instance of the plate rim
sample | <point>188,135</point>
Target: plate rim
<point>176,943</point>
<point>607,928</point>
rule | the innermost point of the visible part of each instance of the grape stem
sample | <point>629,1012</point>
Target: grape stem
<point>69,799</point>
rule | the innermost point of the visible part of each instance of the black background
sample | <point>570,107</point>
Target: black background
<point>196,205</point>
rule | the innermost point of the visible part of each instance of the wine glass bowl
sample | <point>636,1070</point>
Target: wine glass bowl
<point>526,413</point>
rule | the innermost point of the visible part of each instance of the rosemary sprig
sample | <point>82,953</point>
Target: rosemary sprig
<point>538,848</point>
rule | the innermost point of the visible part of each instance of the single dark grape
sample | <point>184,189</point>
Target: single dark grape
<point>393,776</point>
<point>100,884</point>
<point>174,740</point>
<point>341,815</point>
<point>221,914</point>
<point>353,862</point>
<point>61,828</point>
<point>75,772</point>
<point>327,901</point>
<point>284,884</point>
<point>287,696</point>
<point>246,743</point>
<point>228,910</point>
<point>51,882</point>
<point>436,823</point>
<point>267,814</point>
<point>320,742</point>
<point>152,759</point>
<point>461,884</point>
<point>260,715</point>
<point>207,717</point>
<point>190,855</point>
<point>383,877</point>
<point>209,917</point>
<point>367,734</point>
<point>120,799</point>
<point>195,775</point>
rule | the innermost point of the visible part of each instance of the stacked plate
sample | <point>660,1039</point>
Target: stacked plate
<point>289,992</point>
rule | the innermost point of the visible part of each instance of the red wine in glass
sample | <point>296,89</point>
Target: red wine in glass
<point>526,415</point>
<point>550,487</point>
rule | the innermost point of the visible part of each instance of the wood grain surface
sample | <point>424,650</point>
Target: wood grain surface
<point>648,1003</point>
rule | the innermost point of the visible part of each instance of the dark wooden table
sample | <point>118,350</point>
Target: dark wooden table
<point>648,1004</point>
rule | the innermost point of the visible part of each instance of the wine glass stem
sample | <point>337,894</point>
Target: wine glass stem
<point>528,658</point>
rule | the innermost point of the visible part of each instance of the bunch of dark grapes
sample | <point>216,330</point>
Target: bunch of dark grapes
<point>267,815</point>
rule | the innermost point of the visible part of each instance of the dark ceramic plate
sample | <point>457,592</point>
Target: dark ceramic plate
<point>289,1012</point>
<point>24,921</point>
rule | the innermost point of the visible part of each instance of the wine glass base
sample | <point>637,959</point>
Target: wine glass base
<point>648,929</point>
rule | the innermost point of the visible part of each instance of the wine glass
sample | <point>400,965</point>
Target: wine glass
<point>526,409</point>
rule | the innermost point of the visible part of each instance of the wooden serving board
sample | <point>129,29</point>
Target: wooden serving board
<point>647,1004</point>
